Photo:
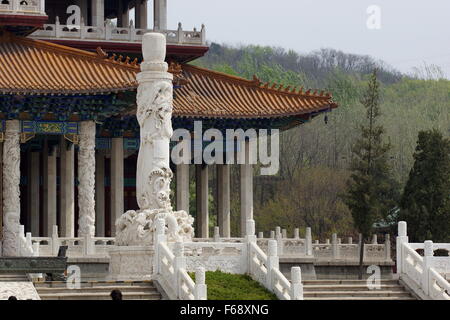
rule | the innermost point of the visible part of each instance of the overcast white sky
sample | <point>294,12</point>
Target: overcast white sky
<point>412,31</point>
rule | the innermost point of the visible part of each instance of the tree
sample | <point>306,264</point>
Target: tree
<point>370,190</point>
<point>425,203</point>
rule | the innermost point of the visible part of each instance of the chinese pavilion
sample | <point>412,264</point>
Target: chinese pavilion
<point>67,105</point>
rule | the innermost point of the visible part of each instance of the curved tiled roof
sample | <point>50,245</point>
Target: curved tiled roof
<point>37,67</point>
<point>214,94</point>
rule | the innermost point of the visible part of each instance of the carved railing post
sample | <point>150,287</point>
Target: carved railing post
<point>57,28</point>
<point>308,242</point>
<point>334,246</point>
<point>200,284</point>
<point>89,245</point>
<point>108,29</point>
<point>296,284</point>
<point>279,238</point>
<point>374,239</point>
<point>401,238</point>
<point>83,29</point>
<point>296,233</point>
<point>132,30</point>
<point>216,236</point>
<point>11,190</point>
<point>86,177</point>
<point>180,35</point>
<point>387,247</point>
<point>203,31</point>
<point>249,239</point>
<point>55,241</point>
<point>28,242</point>
<point>179,263</point>
<point>159,237</point>
<point>427,264</point>
<point>273,262</point>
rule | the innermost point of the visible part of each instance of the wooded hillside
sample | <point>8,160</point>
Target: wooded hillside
<point>315,157</point>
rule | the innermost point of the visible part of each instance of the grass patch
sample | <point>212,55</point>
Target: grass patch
<point>225,286</point>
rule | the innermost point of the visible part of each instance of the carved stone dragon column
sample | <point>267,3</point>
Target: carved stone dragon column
<point>11,190</point>
<point>154,114</point>
<point>86,177</point>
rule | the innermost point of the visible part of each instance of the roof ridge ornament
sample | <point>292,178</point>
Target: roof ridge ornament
<point>289,89</point>
<point>101,53</point>
<point>179,79</point>
<point>256,81</point>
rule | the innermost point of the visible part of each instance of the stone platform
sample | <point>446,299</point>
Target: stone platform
<point>131,263</point>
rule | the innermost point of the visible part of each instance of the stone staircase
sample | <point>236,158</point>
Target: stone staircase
<point>13,278</point>
<point>98,290</point>
<point>354,290</point>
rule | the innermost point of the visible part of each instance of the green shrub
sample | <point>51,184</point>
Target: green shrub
<point>225,286</point>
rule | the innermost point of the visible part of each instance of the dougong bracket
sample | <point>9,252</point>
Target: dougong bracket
<point>74,138</point>
<point>25,137</point>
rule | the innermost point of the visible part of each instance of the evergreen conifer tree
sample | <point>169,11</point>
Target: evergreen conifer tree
<point>371,191</point>
<point>425,203</point>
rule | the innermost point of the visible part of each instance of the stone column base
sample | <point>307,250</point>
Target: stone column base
<point>131,263</point>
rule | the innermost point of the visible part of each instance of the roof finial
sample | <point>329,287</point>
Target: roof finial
<point>256,80</point>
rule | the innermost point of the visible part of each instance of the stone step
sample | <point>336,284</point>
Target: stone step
<point>360,298</point>
<point>97,290</point>
<point>361,294</point>
<point>13,277</point>
<point>99,296</point>
<point>91,284</point>
<point>318,288</point>
<point>354,290</point>
<point>100,289</point>
<point>346,282</point>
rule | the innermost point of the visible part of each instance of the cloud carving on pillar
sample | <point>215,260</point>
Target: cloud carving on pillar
<point>154,115</point>
<point>136,228</point>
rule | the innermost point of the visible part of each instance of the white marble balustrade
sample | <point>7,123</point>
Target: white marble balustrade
<point>424,274</point>
<point>22,7</point>
<point>109,32</point>
<point>77,246</point>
